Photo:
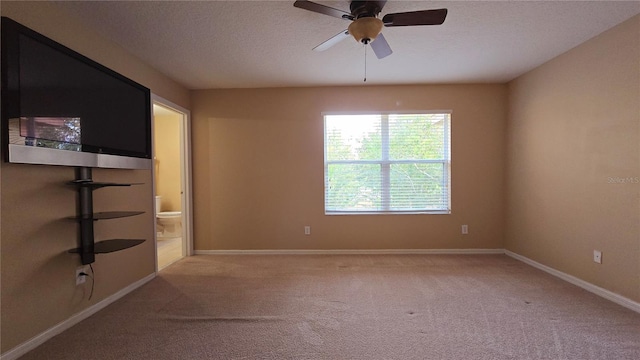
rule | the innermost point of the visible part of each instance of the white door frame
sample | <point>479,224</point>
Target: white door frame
<point>185,174</point>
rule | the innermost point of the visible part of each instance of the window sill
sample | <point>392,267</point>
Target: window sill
<point>438,212</point>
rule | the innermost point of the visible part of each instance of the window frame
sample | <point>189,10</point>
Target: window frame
<point>385,164</point>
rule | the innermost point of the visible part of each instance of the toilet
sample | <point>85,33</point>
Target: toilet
<point>168,223</point>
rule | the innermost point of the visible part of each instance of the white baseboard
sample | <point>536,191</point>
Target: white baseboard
<point>611,296</point>
<point>66,324</point>
<point>353,252</point>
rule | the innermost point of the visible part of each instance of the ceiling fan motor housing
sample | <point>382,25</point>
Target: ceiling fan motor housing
<point>361,9</point>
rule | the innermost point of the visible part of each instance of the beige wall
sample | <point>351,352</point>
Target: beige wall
<point>574,161</point>
<point>167,159</point>
<point>258,169</point>
<point>37,274</point>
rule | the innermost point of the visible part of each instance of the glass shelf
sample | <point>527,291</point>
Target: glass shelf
<point>107,246</point>
<point>109,215</point>
<point>97,185</point>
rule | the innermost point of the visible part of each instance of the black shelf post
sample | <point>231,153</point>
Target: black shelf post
<point>87,255</point>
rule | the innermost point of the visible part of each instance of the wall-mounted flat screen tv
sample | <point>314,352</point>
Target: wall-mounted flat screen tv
<point>62,108</point>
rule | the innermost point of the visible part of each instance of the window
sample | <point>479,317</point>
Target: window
<point>387,163</point>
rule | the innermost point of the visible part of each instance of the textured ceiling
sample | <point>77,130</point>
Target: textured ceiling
<point>240,44</point>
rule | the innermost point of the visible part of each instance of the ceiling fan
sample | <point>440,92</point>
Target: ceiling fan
<point>365,25</point>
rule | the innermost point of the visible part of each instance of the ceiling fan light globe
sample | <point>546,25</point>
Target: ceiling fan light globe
<point>365,29</point>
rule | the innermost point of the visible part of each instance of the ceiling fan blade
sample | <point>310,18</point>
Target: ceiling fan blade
<point>322,9</point>
<point>381,4</point>
<point>332,41</point>
<point>423,17</point>
<point>381,47</point>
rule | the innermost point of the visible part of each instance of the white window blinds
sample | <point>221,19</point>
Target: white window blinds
<point>388,163</point>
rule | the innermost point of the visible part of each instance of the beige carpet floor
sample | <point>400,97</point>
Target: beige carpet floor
<point>353,307</point>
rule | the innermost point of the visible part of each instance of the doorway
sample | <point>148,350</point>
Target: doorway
<point>172,178</point>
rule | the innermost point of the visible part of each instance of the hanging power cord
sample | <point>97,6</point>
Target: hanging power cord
<point>93,282</point>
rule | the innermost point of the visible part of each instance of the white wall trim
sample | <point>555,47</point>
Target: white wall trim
<point>352,252</point>
<point>39,339</point>
<point>611,296</point>
<point>186,173</point>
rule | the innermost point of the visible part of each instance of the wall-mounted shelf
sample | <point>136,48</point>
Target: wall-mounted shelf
<point>107,246</point>
<point>86,217</point>
<point>109,215</point>
<point>97,185</point>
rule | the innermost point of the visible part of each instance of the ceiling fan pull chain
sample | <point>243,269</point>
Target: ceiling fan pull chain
<point>365,63</point>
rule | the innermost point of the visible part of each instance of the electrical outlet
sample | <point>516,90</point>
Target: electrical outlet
<point>465,229</point>
<point>80,279</point>
<point>307,230</point>
<point>597,256</point>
